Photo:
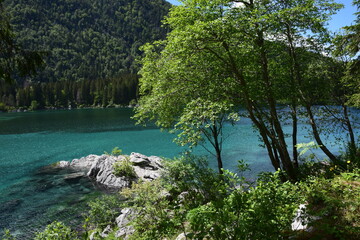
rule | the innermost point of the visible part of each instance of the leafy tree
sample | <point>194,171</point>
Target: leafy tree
<point>204,120</point>
<point>350,42</point>
<point>245,55</point>
<point>347,49</point>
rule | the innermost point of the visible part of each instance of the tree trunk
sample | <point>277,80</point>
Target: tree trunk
<point>279,142</point>
<point>297,75</point>
<point>317,135</point>
<point>215,132</point>
<point>352,150</point>
<point>294,134</point>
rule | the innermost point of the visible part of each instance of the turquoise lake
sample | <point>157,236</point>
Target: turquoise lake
<point>33,195</point>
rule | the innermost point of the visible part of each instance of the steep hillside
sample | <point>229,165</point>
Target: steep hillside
<point>87,39</point>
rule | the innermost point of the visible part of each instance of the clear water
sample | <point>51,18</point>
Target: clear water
<point>32,195</point>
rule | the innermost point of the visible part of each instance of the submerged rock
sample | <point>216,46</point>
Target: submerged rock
<point>74,177</point>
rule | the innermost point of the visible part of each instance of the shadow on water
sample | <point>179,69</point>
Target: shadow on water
<point>50,194</point>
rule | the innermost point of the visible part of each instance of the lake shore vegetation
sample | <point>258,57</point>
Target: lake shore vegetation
<point>276,60</point>
<point>272,58</point>
<point>195,202</point>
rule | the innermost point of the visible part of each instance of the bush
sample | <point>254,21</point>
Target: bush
<point>336,203</point>
<point>7,235</point>
<point>163,204</point>
<point>56,231</point>
<point>115,152</point>
<point>157,217</point>
<point>34,105</point>
<point>124,168</point>
<point>263,212</point>
<point>3,107</point>
<point>104,210</point>
<point>192,175</point>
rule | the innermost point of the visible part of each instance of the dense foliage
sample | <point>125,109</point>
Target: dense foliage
<point>198,202</point>
<point>14,58</point>
<point>348,46</point>
<point>63,94</point>
<point>56,231</point>
<point>89,49</point>
<point>270,57</point>
<point>124,168</point>
<point>89,39</point>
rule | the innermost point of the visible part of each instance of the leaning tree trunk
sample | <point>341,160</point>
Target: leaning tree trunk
<point>279,140</point>
<point>296,69</point>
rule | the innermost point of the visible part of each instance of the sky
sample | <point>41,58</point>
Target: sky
<point>344,17</point>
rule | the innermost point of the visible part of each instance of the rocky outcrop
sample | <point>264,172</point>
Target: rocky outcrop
<point>146,168</point>
<point>122,221</point>
<point>101,169</point>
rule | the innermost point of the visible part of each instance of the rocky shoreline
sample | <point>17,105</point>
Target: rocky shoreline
<point>100,169</point>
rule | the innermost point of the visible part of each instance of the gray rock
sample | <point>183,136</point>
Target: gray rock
<point>63,164</point>
<point>182,236</point>
<point>146,168</point>
<point>106,231</point>
<point>182,197</point>
<point>122,221</point>
<point>74,176</point>
<point>140,160</point>
<point>127,214</point>
<point>85,162</point>
<point>92,236</point>
<point>302,220</point>
<point>100,169</point>
<point>124,232</point>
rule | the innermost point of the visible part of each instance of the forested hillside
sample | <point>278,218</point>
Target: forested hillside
<point>86,39</point>
<point>89,49</point>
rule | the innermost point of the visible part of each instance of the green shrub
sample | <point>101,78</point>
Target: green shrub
<point>157,217</point>
<point>56,231</point>
<point>124,168</point>
<point>7,235</point>
<point>262,212</point>
<point>3,107</point>
<point>115,152</point>
<point>104,210</point>
<point>34,105</point>
<point>192,175</point>
<point>163,204</point>
<point>337,204</point>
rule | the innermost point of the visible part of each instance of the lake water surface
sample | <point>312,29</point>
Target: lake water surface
<point>33,195</point>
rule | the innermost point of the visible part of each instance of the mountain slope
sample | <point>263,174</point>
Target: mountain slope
<point>86,39</point>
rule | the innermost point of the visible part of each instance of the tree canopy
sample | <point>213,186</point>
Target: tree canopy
<point>348,44</point>
<point>255,54</point>
<point>86,39</point>
<point>15,60</point>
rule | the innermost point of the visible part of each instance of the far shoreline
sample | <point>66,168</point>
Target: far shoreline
<point>24,110</point>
